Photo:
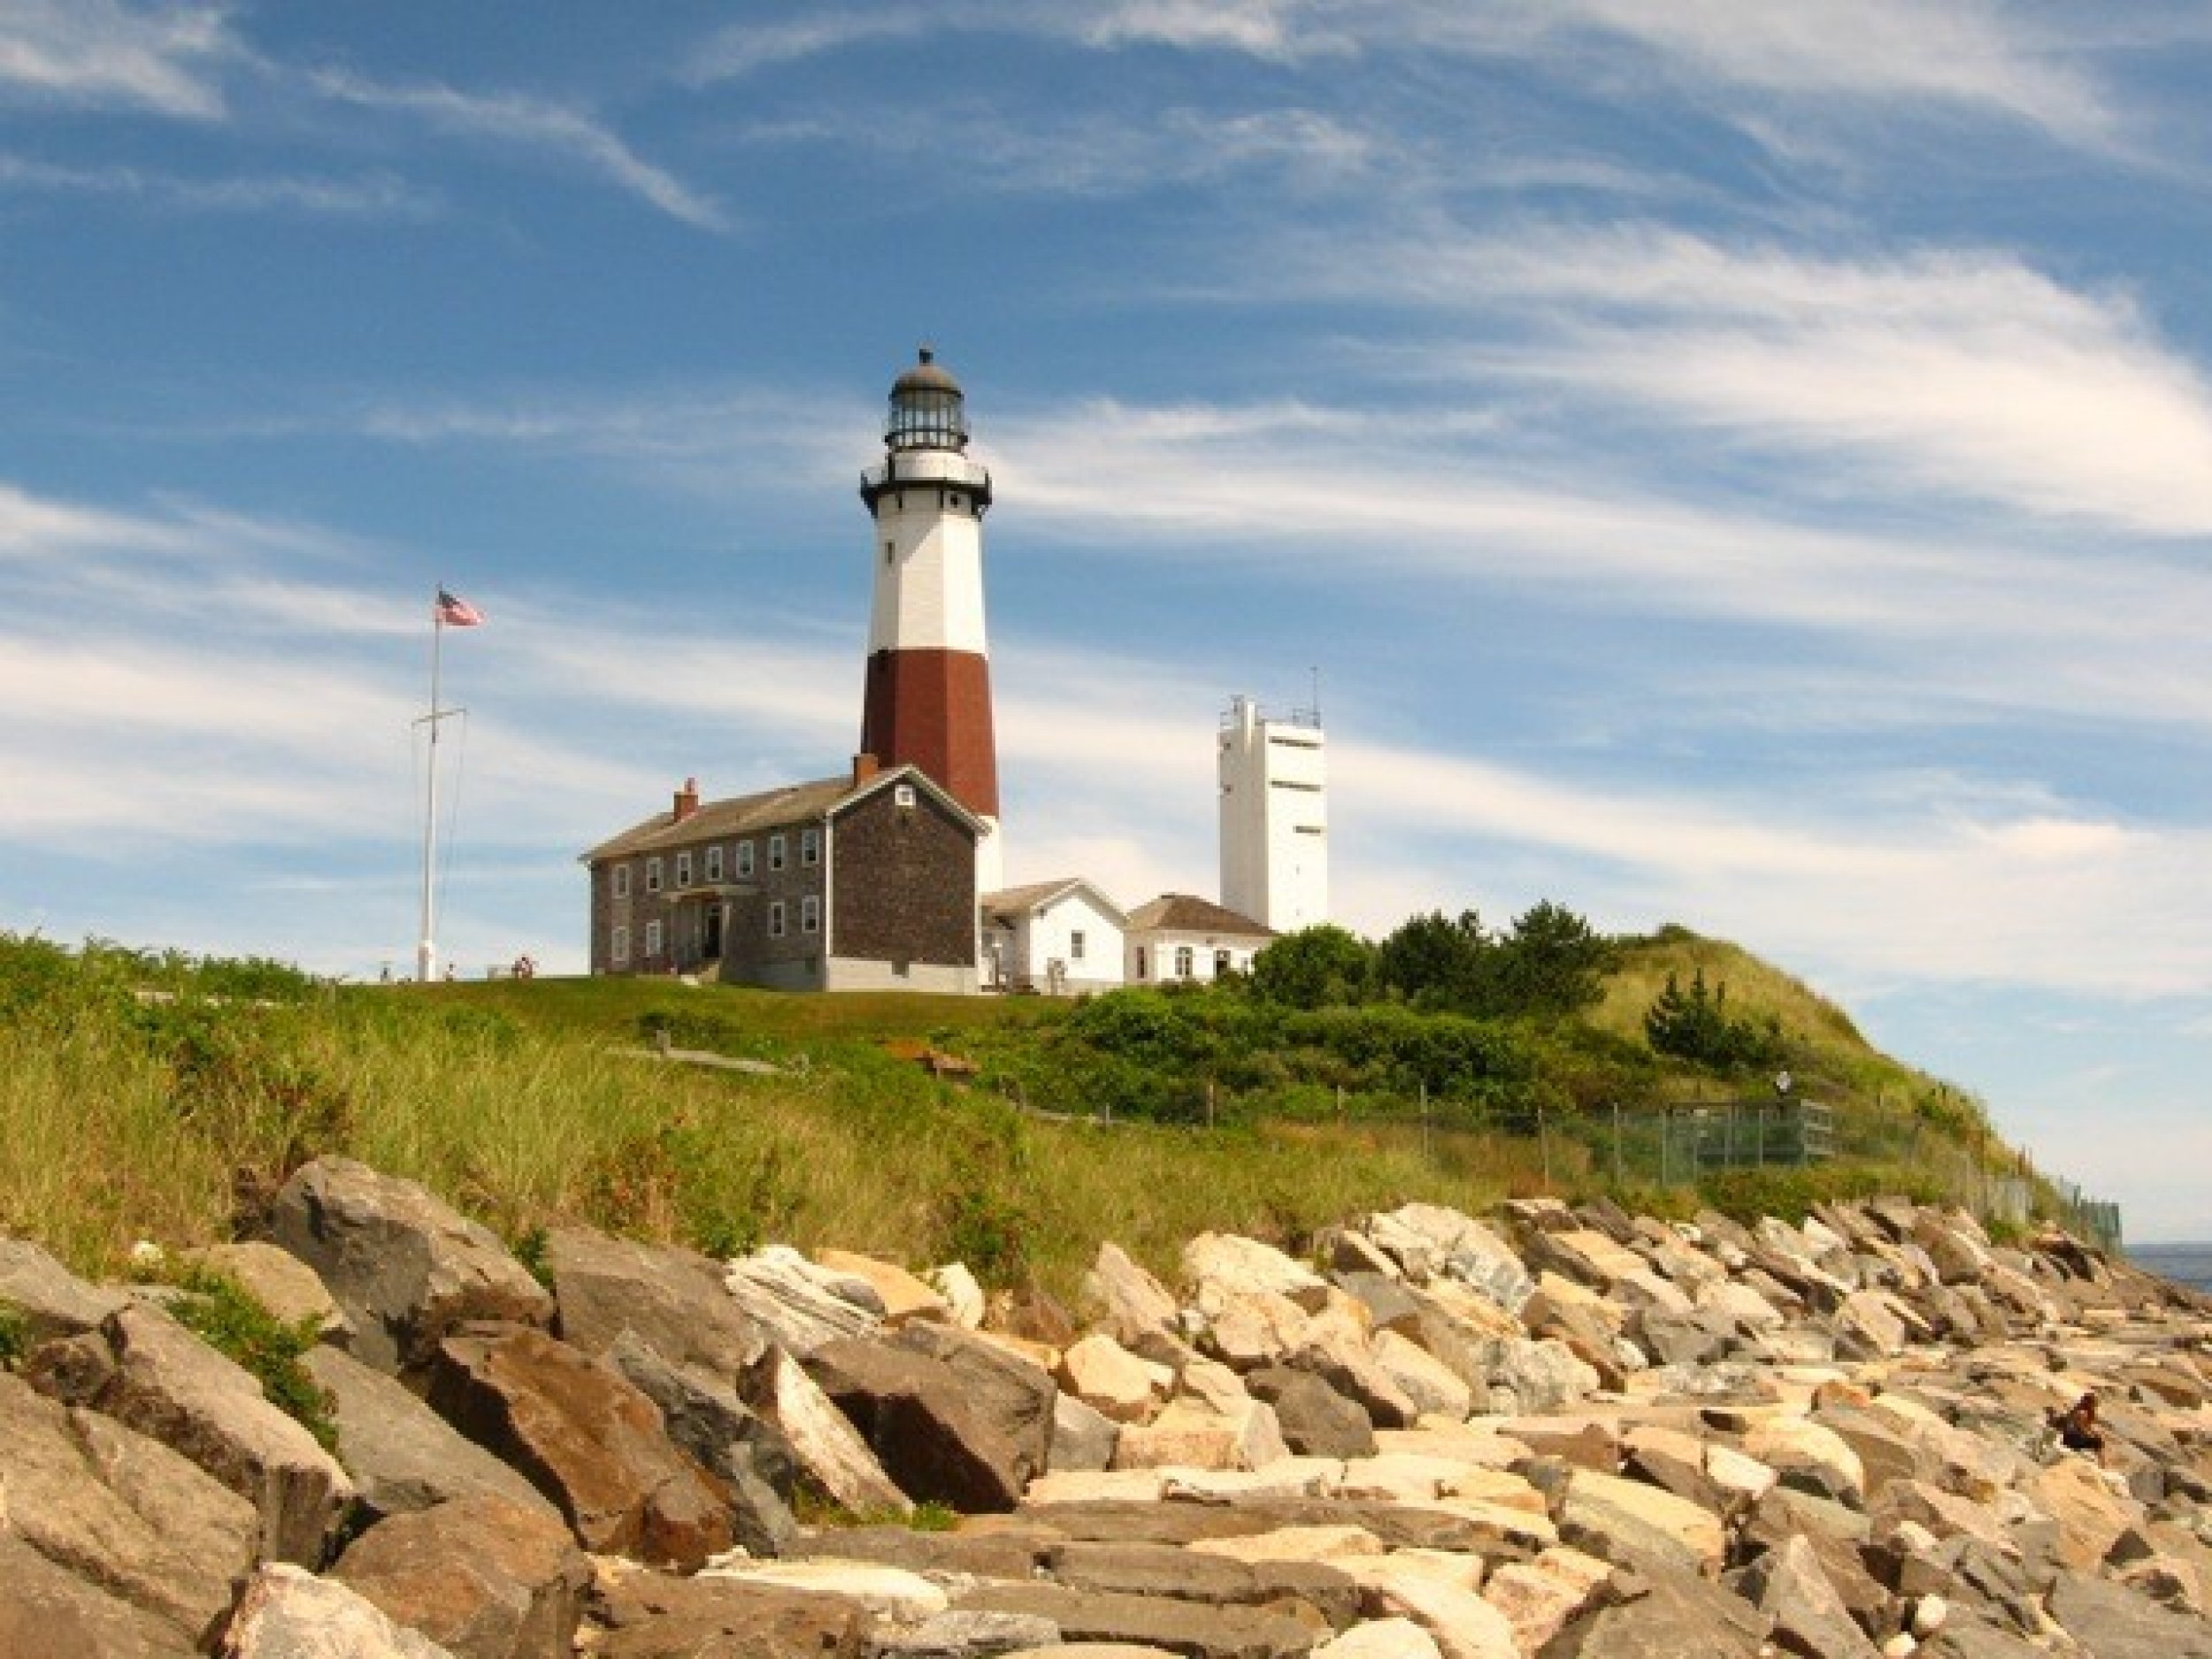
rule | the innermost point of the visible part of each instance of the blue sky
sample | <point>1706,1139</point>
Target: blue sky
<point>1737,462</point>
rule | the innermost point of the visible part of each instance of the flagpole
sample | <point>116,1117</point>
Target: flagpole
<point>426,947</point>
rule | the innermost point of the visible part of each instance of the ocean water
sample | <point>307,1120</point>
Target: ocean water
<point>2189,1264</point>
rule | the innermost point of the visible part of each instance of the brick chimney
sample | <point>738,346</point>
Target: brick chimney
<point>865,767</point>
<point>686,799</point>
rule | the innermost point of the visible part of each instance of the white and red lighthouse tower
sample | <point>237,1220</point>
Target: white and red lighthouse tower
<point>929,669</point>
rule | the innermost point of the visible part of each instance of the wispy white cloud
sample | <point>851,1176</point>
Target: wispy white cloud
<point>1969,55</point>
<point>1963,372</point>
<point>380,196</point>
<point>103,54</point>
<point>532,124</point>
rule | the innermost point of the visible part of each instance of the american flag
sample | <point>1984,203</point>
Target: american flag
<point>456,612</point>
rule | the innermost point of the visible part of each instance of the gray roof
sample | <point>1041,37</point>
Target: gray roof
<point>770,808</point>
<point>1009,902</point>
<point>1180,913</point>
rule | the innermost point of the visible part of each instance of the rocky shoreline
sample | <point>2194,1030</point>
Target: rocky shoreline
<point>1557,1433</point>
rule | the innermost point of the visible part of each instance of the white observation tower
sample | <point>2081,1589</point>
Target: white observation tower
<point>1274,816</point>
<point>929,670</point>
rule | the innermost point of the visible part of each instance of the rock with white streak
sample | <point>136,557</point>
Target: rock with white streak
<point>831,1454</point>
<point>781,1290</point>
<point>288,1613</point>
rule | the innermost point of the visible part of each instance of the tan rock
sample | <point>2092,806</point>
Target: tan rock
<point>1189,1435</point>
<point>890,1593</point>
<point>1464,1624</point>
<point>1643,1521</point>
<point>1327,1544</point>
<point>287,1612</point>
<point>1537,1604</point>
<point>1433,1386</point>
<point>1737,1473</point>
<point>1793,1445</point>
<point>480,1576</point>
<point>905,1297</point>
<point>1381,1639</point>
<point>1224,1264</point>
<point>1108,1378</point>
<point>2091,1516</point>
<point>1103,1486</point>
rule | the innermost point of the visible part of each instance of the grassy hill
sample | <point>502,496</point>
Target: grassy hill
<point>159,1097</point>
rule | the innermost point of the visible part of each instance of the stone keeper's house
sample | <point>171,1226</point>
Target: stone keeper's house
<point>860,882</point>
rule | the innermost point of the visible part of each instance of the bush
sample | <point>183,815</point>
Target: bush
<point>1696,1026</point>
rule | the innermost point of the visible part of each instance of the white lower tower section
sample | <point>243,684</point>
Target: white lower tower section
<point>1274,818</point>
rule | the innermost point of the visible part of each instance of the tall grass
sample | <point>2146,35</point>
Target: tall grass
<point>176,1115</point>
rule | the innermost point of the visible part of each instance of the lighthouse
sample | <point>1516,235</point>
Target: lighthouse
<point>928,701</point>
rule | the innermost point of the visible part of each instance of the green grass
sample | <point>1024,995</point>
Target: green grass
<point>527,1105</point>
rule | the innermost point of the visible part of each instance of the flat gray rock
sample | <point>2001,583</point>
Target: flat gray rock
<point>403,1456</point>
<point>52,1301</point>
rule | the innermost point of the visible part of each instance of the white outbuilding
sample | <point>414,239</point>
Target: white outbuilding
<point>1060,938</point>
<point>1179,940</point>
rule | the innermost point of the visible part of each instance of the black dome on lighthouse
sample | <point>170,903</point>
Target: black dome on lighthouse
<point>928,411</point>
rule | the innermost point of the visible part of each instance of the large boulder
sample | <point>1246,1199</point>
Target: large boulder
<point>288,1613</point>
<point>109,1533</point>
<point>588,1439</point>
<point>281,1282</point>
<point>404,1265</point>
<point>1009,1390</point>
<point>1133,1303</point>
<point>673,1301</point>
<point>1111,1380</point>
<point>924,1425</point>
<point>147,1371</point>
<point>486,1578</point>
<point>1225,1266</point>
<point>2091,1516</point>
<point>2111,1621</point>
<point>715,1429</point>
<point>905,1297</point>
<point>403,1456</point>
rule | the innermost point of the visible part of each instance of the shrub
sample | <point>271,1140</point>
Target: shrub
<point>226,1316</point>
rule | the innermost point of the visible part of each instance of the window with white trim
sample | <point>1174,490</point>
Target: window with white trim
<point>775,918</point>
<point>652,875</point>
<point>902,795</point>
<point>622,881</point>
<point>1221,963</point>
<point>776,852</point>
<point>714,862</point>
<point>811,913</point>
<point>810,846</point>
<point>1143,966</point>
<point>1183,962</point>
<point>1075,945</point>
<point>620,954</point>
<point>683,871</point>
<point>652,939</point>
<point>744,860</point>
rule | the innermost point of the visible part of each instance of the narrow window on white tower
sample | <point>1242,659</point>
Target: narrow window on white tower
<point>890,552</point>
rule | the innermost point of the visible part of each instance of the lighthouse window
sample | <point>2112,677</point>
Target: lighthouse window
<point>889,552</point>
